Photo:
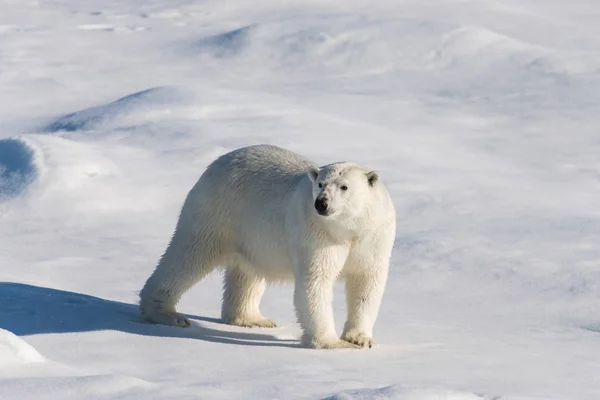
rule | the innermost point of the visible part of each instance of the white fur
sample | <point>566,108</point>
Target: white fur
<point>253,213</point>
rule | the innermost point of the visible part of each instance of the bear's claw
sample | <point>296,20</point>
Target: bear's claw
<point>169,318</point>
<point>252,323</point>
<point>359,339</point>
<point>328,344</point>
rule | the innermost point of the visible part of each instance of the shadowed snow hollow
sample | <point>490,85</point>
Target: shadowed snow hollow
<point>18,167</point>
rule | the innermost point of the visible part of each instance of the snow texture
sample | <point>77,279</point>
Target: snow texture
<point>481,116</point>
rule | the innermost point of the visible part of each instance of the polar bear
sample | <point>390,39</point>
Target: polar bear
<point>266,214</point>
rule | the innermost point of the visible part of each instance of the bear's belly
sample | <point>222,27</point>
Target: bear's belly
<point>268,259</point>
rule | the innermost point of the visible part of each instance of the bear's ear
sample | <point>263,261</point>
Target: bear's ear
<point>313,172</point>
<point>372,177</point>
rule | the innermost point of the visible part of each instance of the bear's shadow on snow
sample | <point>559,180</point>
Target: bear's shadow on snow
<point>32,310</point>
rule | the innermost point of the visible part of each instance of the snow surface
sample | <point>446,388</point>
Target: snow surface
<point>482,115</point>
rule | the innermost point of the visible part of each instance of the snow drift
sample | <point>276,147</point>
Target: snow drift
<point>14,350</point>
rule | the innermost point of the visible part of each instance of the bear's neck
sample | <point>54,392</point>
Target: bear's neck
<point>339,231</point>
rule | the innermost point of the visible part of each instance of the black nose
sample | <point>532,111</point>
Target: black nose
<point>321,206</point>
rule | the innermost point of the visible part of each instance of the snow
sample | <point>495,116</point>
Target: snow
<point>482,117</point>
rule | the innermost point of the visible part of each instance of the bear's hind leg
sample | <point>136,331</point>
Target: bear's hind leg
<point>178,270</point>
<point>242,293</point>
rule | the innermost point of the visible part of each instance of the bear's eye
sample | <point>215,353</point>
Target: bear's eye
<point>320,185</point>
<point>344,188</point>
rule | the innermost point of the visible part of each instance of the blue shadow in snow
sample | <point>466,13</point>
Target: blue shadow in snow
<point>34,310</point>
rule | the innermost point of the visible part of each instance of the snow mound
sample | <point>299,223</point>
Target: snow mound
<point>14,350</point>
<point>108,386</point>
<point>394,392</point>
<point>350,45</point>
<point>468,44</point>
<point>340,44</point>
<point>227,44</point>
<point>136,106</point>
<point>18,167</point>
<point>71,164</point>
<point>509,72</point>
<point>99,385</point>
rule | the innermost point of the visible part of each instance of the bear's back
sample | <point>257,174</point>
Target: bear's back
<point>263,160</point>
<point>247,197</point>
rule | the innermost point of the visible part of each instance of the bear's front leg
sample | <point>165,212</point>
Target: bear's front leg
<point>364,291</point>
<point>315,276</point>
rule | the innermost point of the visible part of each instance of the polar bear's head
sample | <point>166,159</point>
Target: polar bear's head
<point>342,189</point>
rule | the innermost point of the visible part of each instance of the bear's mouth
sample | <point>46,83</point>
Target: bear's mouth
<point>324,213</point>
